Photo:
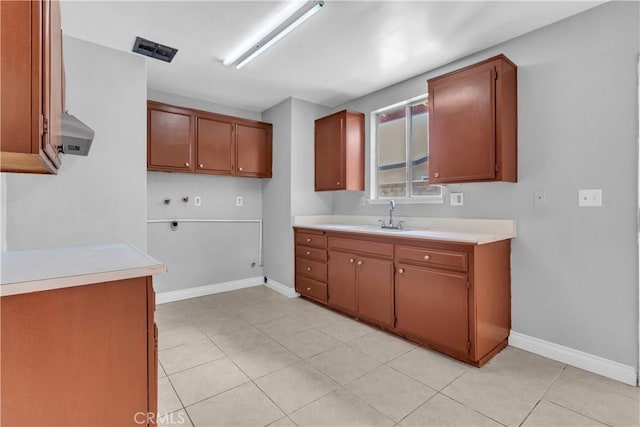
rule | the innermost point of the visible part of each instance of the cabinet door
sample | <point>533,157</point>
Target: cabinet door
<point>169,146</point>
<point>19,70</point>
<point>432,306</point>
<point>375,290</point>
<point>253,150</point>
<point>30,86</point>
<point>214,140</point>
<point>330,154</point>
<point>59,349</point>
<point>462,126</point>
<point>342,281</point>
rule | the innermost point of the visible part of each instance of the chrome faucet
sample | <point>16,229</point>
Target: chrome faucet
<point>398,226</point>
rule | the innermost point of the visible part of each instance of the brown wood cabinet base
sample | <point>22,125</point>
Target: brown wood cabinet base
<point>82,355</point>
<point>452,297</point>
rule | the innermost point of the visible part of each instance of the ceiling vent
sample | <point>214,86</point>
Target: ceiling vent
<point>154,50</point>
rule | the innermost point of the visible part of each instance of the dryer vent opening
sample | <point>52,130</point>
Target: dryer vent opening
<point>154,50</point>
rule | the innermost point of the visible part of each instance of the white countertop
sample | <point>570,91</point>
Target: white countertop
<point>46,269</point>
<point>456,230</point>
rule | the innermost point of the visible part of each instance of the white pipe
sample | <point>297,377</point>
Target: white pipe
<point>258,221</point>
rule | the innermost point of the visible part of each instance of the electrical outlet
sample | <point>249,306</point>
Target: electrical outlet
<point>590,198</point>
<point>539,198</point>
<point>197,201</point>
<point>239,201</point>
<point>456,199</point>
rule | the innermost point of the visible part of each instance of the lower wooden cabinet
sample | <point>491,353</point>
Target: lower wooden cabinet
<point>451,297</point>
<point>83,355</point>
<point>311,288</point>
<point>433,306</point>
<point>342,281</point>
<point>362,286</point>
<point>311,265</point>
<point>375,290</point>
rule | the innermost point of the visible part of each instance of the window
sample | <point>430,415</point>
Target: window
<point>400,153</point>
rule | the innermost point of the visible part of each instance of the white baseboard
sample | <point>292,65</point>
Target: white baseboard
<point>171,296</point>
<point>280,288</point>
<point>589,362</point>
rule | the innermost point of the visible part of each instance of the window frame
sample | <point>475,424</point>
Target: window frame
<point>409,198</point>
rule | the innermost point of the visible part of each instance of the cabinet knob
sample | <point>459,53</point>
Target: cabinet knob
<point>187,164</point>
<point>308,252</point>
<point>436,174</point>
<point>351,260</point>
<point>338,183</point>
<point>201,165</point>
<point>427,257</point>
<point>308,268</point>
<point>240,169</point>
<point>308,289</point>
<point>308,239</point>
<point>401,270</point>
<point>360,262</point>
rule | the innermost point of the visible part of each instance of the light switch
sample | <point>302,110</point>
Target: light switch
<point>197,201</point>
<point>456,199</point>
<point>590,198</point>
<point>239,201</point>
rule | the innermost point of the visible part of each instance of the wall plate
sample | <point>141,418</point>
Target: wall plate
<point>591,198</point>
<point>456,199</point>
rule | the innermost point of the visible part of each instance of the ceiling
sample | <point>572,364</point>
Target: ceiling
<point>346,50</point>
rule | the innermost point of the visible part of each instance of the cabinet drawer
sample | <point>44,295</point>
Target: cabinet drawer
<point>311,288</point>
<point>362,246</point>
<point>312,269</point>
<point>311,253</point>
<point>433,257</point>
<point>309,239</point>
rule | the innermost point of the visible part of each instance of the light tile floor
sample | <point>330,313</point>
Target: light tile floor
<point>252,357</point>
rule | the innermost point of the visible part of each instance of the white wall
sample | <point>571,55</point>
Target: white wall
<point>574,270</point>
<point>198,254</point>
<point>291,191</point>
<point>304,200</point>
<point>97,199</point>
<point>184,101</point>
<point>276,195</point>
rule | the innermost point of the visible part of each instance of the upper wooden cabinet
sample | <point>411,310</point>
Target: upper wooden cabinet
<point>169,138</point>
<point>31,86</point>
<point>253,155</point>
<point>339,152</point>
<point>215,146</point>
<point>185,140</point>
<point>473,123</point>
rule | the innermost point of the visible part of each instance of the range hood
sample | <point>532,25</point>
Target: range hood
<point>76,136</point>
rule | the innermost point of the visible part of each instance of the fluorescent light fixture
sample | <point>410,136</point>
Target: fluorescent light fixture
<point>289,19</point>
